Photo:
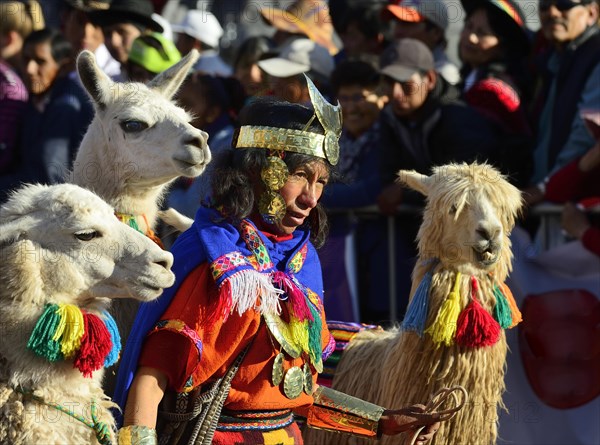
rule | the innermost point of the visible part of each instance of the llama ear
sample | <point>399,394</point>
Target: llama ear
<point>168,82</point>
<point>414,180</point>
<point>12,230</point>
<point>94,80</point>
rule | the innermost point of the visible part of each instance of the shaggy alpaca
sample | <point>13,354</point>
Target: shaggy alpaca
<point>138,143</point>
<point>446,339</point>
<point>64,256</point>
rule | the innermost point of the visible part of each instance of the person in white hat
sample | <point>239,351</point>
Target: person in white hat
<point>201,30</point>
<point>300,55</point>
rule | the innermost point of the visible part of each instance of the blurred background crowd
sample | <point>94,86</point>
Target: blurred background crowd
<point>420,82</point>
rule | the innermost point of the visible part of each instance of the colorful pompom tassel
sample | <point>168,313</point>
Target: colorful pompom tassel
<point>42,340</point>
<point>300,334</point>
<point>416,315</point>
<point>296,299</point>
<point>95,346</point>
<point>476,327</point>
<point>514,309</point>
<point>442,330</point>
<point>314,335</point>
<point>69,330</point>
<point>502,312</point>
<point>115,338</point>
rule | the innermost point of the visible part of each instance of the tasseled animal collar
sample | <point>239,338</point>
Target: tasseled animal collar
<point>65,332</point>
<point>469,325</point>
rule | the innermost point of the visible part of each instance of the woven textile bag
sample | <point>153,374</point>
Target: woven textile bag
<point>191,418</point>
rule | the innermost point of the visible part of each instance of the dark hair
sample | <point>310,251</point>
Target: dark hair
<point>60,48</point>
<point>232,181</point>
<point>252,50</point>
<point>366,18</point>
<point>354,72</point>
<point>506,29</point>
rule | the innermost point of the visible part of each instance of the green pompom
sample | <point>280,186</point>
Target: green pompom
<point>41,341</point>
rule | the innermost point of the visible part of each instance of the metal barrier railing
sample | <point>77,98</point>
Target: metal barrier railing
<point>545,211</point>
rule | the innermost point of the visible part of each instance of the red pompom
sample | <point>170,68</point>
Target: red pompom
<point>475,326</point>
<point>96,343</point>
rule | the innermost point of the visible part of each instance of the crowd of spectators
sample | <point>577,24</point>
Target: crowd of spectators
<point>525,101</point>
<point>515,101</point>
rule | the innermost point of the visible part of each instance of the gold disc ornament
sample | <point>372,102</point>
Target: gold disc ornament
<point>275,174</point>
<point>271,206</point>
<point>308,380</point>
<point>293,382</point>
<point>277,372</point>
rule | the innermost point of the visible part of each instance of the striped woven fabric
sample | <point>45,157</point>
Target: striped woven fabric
<point>342,332</point>
<point>288,435</point>
<point>254,420</point>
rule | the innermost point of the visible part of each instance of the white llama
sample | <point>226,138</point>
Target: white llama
<point>64,257</point>
<point>138,143</point>
<point>448,336</point>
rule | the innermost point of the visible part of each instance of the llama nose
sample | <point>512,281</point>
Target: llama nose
<point>488,233</point>
<point>196,142</point>
<point>165,260</point>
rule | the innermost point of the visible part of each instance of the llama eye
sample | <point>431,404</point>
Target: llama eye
<point>453,209</point>
<point>87,235</point>
<point>133,126</point>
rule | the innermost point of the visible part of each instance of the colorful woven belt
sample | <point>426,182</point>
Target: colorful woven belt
<point>254,420</point>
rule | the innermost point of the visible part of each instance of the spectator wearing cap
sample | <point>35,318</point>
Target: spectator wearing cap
<point>568,83</point>
<point>150,54</point>
<point>422,126</point>
<point>83,33</point>
<point>201,30</point>
<point>297,57</point>
<point>494,48</point>
<point>303,18</point>
<point>122,23</point>
<point>427,21</point>
<point>245,65</point>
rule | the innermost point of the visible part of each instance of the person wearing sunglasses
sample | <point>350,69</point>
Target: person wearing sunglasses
<point>568,82</point>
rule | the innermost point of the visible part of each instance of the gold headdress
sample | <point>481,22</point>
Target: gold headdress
<point>277,140</point>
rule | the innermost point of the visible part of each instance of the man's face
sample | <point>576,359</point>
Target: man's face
<point>41,70</point>
<point>360,107</point>
<point>407,97</point>
<point>564,20</point>
<point>118,38</point>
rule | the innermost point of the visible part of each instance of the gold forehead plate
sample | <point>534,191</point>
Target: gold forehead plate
<point>273,138</point>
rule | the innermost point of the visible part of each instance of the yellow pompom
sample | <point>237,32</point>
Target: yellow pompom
<point>70,329</point>
<point>443,329</point>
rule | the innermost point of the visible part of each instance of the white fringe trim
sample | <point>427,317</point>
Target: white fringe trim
<point>252,289</point>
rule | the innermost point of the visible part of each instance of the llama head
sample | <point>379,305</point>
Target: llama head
<point>469,214</point>
<point>141,130</point>
<point>63,244</point>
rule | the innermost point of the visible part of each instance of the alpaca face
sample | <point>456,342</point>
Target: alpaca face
<point>64,245</point>
<point>470,212</point>
<point>151,139</point>
<point>472,232</point>
<point>146,139</point>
